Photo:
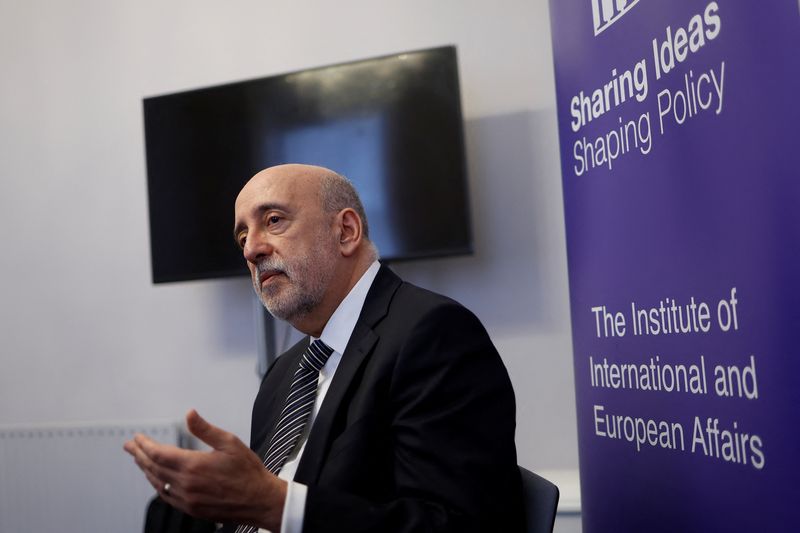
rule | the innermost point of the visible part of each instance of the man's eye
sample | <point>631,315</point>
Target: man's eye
<point>273,219</point>
<point>242,240</point>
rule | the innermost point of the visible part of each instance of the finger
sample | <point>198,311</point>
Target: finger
<point>163,455</point>
<point>158,478</point>
<point>150,469</point>
<point>173,496</point>
<point>138,456</point>
<point>157,482</point>
<point>130,447</point>
<point>159,475</point>
<point>215,437</point>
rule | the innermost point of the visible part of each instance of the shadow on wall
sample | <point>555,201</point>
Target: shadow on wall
<point>517,277</point>
<point>516,280</point>
<point>235,317</point>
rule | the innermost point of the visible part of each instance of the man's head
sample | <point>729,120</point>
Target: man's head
<point>303,232</point>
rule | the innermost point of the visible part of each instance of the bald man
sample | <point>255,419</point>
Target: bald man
<point>413,415</point>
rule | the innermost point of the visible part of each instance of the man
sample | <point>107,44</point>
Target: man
<point>412,425</point>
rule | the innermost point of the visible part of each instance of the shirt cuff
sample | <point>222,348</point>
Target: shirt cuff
<point>294,508</point>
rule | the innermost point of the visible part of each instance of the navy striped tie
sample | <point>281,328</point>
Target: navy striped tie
<point>295,413</point>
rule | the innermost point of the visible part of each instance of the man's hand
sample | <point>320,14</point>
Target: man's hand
<point>227,484</point>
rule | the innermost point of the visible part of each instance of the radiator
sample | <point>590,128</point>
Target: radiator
<point>75,478</point>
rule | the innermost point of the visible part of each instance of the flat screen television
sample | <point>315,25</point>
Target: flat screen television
<point>391,124</point>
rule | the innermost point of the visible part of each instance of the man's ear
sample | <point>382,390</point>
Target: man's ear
<point>350,231</point>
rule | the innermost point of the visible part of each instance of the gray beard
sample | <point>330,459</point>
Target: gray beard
<point>308,280</point>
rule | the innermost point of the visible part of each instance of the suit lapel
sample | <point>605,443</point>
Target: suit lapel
<point>359,347</point>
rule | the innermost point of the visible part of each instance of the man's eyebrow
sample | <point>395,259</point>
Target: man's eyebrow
<point>257,212</point>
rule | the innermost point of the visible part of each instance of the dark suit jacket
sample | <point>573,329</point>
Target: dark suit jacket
<point>416,432</point>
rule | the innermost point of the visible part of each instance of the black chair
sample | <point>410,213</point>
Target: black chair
<point>541,501</point>
<point>161,517</point>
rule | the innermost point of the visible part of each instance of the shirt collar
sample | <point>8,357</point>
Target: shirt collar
<point>342,322</point>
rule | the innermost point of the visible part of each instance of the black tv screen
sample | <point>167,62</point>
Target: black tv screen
<point>391,124</point>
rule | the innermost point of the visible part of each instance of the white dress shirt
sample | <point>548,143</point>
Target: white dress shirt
<point>336,334</point>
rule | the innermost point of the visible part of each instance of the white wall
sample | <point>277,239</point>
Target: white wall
<point>84,335</point>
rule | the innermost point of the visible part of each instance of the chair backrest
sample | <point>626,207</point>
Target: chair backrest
<point>541,501</point>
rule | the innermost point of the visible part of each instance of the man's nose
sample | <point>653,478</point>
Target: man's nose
<point>256,247</point>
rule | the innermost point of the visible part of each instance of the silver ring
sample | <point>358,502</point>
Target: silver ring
<point>167,488</point>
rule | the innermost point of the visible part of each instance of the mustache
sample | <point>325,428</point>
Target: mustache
<point>270,266</point>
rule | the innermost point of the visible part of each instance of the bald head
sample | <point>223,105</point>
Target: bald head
<point>335,192</point>
<point>302,230</point>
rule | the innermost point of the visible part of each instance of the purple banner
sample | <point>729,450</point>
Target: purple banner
<point>678,126</point>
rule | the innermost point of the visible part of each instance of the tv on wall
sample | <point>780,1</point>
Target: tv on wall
<point>391,124</point>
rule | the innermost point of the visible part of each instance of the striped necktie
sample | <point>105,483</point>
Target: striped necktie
<point>295,413</point>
